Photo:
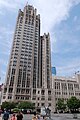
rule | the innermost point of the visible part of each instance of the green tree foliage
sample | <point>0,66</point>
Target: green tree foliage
<point>25,105</point>
<point>73,103</point>
<point>60,105</point>
<point>8,105</point>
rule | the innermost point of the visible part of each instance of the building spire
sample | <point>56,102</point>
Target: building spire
<point>27,2</point>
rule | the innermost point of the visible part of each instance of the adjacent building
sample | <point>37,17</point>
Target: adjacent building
<point>53,71</point>
<point>65,87</point>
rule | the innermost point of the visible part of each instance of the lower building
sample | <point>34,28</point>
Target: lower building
<point>65,88</point>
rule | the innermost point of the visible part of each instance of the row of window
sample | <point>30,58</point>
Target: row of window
<point>43,98</point>
<point>60,98</point>
<point>42,104</point>
<point>42,92</point>
<point>64,86</point>
<point>65,93</point>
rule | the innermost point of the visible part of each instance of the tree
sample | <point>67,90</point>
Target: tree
<point>8,105</point>
<point>26,105</point>
<point>73,104</point>
<point>61,105</point>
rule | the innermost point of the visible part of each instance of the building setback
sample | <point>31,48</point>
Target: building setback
<point>45,61</point>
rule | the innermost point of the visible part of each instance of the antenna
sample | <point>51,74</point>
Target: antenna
<point>27,2</point>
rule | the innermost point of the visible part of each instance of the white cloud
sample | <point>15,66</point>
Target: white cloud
<point>6,37</point>
<point>1,13</point>
<point>5,30</point>
<point>3,62</point>
<point>2,76</point>
<point>75,18</point>
<point>8,4</point>
<point>52,12</point>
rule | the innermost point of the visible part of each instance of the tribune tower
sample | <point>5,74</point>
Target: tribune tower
<point>29,69</point>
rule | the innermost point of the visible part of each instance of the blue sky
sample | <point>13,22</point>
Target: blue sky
<point>61,18</point>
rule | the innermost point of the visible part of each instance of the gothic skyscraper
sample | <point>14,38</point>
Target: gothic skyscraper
<point>29,69</point>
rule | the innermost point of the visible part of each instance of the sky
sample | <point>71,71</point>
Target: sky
<point>61,18</point>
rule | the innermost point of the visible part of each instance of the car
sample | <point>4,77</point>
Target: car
<point>28,111</point>
<point>24,111</point>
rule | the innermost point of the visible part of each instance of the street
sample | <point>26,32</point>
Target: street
<point>53,117</point>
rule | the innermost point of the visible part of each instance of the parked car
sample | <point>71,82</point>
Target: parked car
<point>27,111</point>
<point>24,111</point>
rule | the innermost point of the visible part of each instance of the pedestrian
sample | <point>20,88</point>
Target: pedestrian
<point>19,116</point>
<point>38,116</point>
<point>44,117</point>
<point>13,117</point>
<point>0,112</point>
<point>5,115</point>
<point>35,117</point>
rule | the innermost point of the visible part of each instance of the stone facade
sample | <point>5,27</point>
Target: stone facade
<point>65,87</point>
<point>28,75</point>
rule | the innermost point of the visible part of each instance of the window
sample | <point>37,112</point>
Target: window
<point>38,104</point>
<point>38,92</point>
<point>43,92</point>
<point>49,92</point>
<point>70,86</point>
<point>10,90</point>
<point>42,98</point>
<point>34,98</point>
<point>49,98</point>
<point>9,97</point>
<point>27,91</point>
<point>76,86</point>
<point>27,98</point>
<point>4,97</point>
<point>57,85</point>
<point>18,90</point>
<point>49,104</point>
<point>42,104</point>
<point>34,91</point>
<point>38,98</point>
<point>64,86</point>
<point>34,104</point>
<point>17,97</point>
<point>22,98</point>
